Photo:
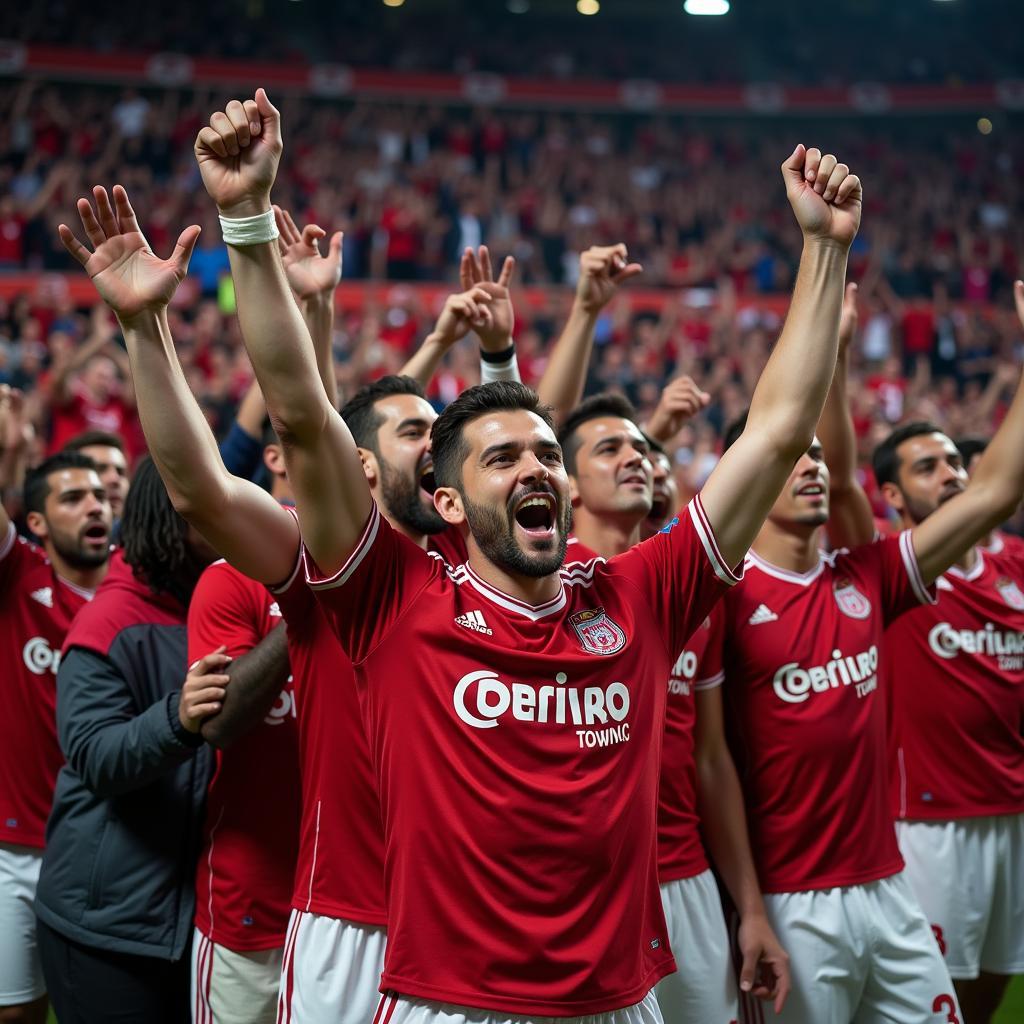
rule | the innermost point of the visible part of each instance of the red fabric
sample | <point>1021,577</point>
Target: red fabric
<point>36,609</point>
<point>340,863</point>
<point>955,673</point>
<point>517,751</point>
<point>250,841</point>
<point>699,667</point>
<point>81,414</point>
<point>121,601</point>
<point>807,723</point>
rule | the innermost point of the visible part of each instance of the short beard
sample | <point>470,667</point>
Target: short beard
<point>77,556</point>
<point>402,502</point>
<point>917,511</point>
<point>495,538</point>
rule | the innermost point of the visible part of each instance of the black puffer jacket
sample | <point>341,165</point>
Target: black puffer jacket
<point>124,834</point>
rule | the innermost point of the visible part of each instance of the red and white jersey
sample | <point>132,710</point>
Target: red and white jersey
<point>577,551</point>
<point>807,724</point>
<point>340,867</point>
<point>956,672</point>
<point>1009,545</point>
<point>247,867</point>
<point>36,608</point>
<point>517,751</point>
<point>699,667</point>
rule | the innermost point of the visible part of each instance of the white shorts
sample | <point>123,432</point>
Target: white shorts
<point>231,986</point>
<point>331,971</point>
<point>395,1009</point>
<point>21,973</point>
<point>861,954</point>
<point>703,990</point>
<point>969,878</point>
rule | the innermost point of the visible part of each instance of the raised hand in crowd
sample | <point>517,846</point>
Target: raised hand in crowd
<point>203,691</point>
<point>475,272</point>
<point>130,277</point>
<point>470,310</point>
<point>310,272</point>
<point>603,268</point>
<point>680,401</point>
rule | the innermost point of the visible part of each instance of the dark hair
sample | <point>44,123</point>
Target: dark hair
<point>37,481</point>
<point>607,403</point>
<point>448,443</point>
<point>155,537</point>
<point>733,431</point>
<point>89,438</point>
<point>360,415</point>
<point>884,459</point>
<point>971,446</point>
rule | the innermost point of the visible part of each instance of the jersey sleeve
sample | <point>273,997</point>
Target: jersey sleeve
<point>381,578</point>
<point>16,555</point>
<point>681,572</point>
<point>294,598</point>
<point>224,611</point>
<point>711,660</point>
<point>899,578</point>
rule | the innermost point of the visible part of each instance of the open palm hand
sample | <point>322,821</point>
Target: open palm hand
<point>129,276</point>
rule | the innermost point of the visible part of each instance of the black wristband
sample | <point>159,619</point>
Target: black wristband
<point>499,357</point>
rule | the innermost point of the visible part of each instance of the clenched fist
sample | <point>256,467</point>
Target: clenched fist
<point>238,153</point>
<point>825,196</point>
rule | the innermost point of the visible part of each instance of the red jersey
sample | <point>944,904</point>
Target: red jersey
<point>957,693</point>
<point>36,609</point>
<point>81,414</point>
<point>699,667</point>
<point>247,867</point>
<point>1006,544</point>
<point>807,723</point>
<point>577,551</point>
<point>340,867</point>
<point>517,751</point>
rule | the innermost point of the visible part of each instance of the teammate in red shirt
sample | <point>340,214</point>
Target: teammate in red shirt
<point>607,459</point>
<point>955,672</point>
<point>513,801</point>
<point>803,650</point>
<point>41,589</point>
<point>246,869</point>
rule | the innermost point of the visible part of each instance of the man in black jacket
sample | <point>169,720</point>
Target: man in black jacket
<point>116,889</point>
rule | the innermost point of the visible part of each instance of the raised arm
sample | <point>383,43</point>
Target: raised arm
<point>461,313</point>
<point>991,497</point>
<point>850,520</point>
<point>790,395</point>
<point>313,279</point>
<point>602,269</point>
<point>680,401</point>
<point>497,345</point>
<point>238,154</point>
<point>240,520</point>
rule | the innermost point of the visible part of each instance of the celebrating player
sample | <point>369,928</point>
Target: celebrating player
<point>41,589</point>
<point>804,645</point>
<point>513,800</point>
<point>955,671</point>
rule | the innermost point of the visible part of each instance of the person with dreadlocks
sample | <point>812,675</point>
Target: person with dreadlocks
<point>115,896</point>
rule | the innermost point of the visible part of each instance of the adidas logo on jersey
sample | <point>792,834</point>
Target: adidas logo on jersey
<point>44,595</point>
<point>761,615</point>
<point>475,622</point>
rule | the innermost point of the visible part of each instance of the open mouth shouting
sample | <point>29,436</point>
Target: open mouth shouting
<point>426,477</point>
<point>96,535</point>
<point>535,514</point>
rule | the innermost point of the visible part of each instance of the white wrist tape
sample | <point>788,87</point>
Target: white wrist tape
<point>507,370</point>
<point>249,230</point>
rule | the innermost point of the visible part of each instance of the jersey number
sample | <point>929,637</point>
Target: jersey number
<point>940,939</point>
<point>947,1003</point>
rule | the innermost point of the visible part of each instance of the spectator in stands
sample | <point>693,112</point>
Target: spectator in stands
<point>107,451</point>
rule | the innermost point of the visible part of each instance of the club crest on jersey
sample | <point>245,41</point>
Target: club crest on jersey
<point>597,633</point>
<point>1010,593</point>
<point>850,600</point>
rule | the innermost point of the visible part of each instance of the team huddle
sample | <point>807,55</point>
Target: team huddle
<point>480,724</point>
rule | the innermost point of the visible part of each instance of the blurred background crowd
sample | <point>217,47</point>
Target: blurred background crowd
<point>696,199</point>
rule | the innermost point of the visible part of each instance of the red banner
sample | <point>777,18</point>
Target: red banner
<point>173,70</point>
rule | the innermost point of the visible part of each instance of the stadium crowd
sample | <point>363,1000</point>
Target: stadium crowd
<point>412,188</point>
